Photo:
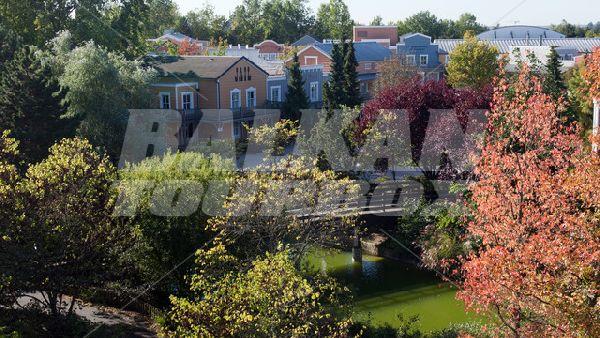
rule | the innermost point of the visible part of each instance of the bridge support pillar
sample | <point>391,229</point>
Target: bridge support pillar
<point>357,247</point>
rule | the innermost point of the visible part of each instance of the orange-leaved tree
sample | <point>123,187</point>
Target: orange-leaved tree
<point>591,74</point>
<point>536,211</point>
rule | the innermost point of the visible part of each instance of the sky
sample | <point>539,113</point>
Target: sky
<point>504,12</point>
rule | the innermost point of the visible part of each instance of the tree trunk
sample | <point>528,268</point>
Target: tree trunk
<point>357,248</point>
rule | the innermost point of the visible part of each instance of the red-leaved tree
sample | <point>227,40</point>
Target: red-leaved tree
<point>591,73</point>
<point>536,211</point>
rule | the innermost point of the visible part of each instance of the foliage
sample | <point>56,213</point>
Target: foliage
<point>266,208</point>
<point>351,83</point>
<point>276,138</point>
<point>472,64</point>
<point>62,240</point>
<point>333,20</point>
<point>577,31</point>
<point>163,241</point>
<point>554,83</point>
<point>188,48</point>
<point>580,101</point>
<point>295,99</point>
<point>100,87</point>
<point>535,209</point>
<point>591,73</point>
<point>428,24</point>
<point>29,106</point>
<point>417,98</point>
<point>10,43</point>
<point>203,23</point>
<point>392,73</point>
<point>265,298</point>
<point>333,90</point>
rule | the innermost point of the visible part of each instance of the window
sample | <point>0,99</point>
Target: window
<point>310,60</point>
<point>186,101</point>
<point>447,59</point>
<point>250,97</point>
<point>249,76</point>
<point>410,59</point>
<point>276,94</point>
<point>165,101</point>
<point>423,60</point>
<point>368,66</point>
<point>314,91</point>
<point>364,87</point>
<point>235,99</point>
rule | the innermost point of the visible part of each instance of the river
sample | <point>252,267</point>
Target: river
<point>384,288</point>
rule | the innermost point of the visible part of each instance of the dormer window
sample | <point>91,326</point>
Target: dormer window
<point>410,60</point>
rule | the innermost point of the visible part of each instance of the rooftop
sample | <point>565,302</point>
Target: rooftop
<point>365,51</point>
<point>211,67</point>
<point>583,45</point>
<point>520,32</point>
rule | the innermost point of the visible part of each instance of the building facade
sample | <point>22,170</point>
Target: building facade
<point>384,35</point>
<point>277,86</point>
<point>419,51</point>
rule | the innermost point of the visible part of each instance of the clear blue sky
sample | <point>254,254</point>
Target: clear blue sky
<point>531,12</point>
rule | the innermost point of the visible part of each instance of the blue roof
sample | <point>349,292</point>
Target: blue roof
<point>365,51</point>
<point>306,40</point>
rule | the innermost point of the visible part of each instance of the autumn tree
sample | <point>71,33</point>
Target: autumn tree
<point>64,240</point>
<point>591,74</point>
<point>535,211</point>
<point>472,63</point>
<point>392,73</point>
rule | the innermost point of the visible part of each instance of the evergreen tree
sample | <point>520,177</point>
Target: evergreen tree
<point>29,106</point>
<point>333,93</point>
<point>351,83</point>
<point>296,98</point>
<point>554,84</point>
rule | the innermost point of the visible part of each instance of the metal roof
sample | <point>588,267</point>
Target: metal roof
<point>364,51</point>
<point>583,45</point>
<point>520,32</point>
<point>306,40</point>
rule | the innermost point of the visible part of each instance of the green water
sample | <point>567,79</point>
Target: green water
<point>384,288</point>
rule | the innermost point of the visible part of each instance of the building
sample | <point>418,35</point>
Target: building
<point>418,50</point>
<point>368,54</point>
<point>277,86</point>
<point>178,39</point>
<point>384,35</point>
<point>269,49</point>
<point>520,32</point>
<point>201,86</point>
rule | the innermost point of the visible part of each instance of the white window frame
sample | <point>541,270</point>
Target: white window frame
<point>183,94</point>
<point>248,91</point>
<point>413,57</point>
<point>278,99</point>
<point>311,57</point>
<point>234,91</point>
<point>161,103</point>
<point>315,85</point>
<point>426,60</point>
<point>368,65</point>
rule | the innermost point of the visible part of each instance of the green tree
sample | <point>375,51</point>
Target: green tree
<point>162,15</point>
<point>285,21</point>
<point>166,235</point>
<point>296,98</point>
<point>205,24</point>
<point>268,297</point>
<point>100,87</point>
<point>30,105</point>
<point>64,242</point>
<point>554,83</point>
<point>333,91</point>
<point>245,22</point>
<point>351,83</point>
<point>377,21</point>
<point>472,63</point>
<point>579,99</point>
<point>333,20</point>
<point>569,29</point>
<point>422,22</point>
<point>10,42</point>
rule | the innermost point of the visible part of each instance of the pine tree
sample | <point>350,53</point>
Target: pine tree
<point>333,94</point>
<point>351,83</point>
<point>296,98</point>
<point>554,83</point>
<point>29,106</point>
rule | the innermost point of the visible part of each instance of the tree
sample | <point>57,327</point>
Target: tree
<point>579,98</point>
<point>392,73</point>
<point>285,21</point>
<point>568,29</point>
<point>422,22</point>
<point>535,209</point>
<point>100,87</point>
<point>245,19</point>
<point>333,91</point>
<point>472,64</point>
<point>333,20</point>
<point>162,15</point>
<point>295,99</point>
<point>554,83</point>
<point>30,107</point>
<point>10,43</point>
<point>467,22</point>
<point>204,24</point>
<point>64,240</point>
<point>351,83</point>
<point>377,21</point>
<point>591,73</point>
<point>166,235</point>
<point>268,297</point>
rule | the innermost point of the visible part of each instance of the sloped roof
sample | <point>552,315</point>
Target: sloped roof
<point>365,51</point>
<point>520,32</point>
<point>583,45</point>
<point>210,67</point>
<point>306,40</point>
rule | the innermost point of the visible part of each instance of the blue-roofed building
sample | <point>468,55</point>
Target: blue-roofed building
<point>520,32</point>
<point>277,86</point>
<point>304,41</point>
<point>368,54</point>
<point>418,50</point>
